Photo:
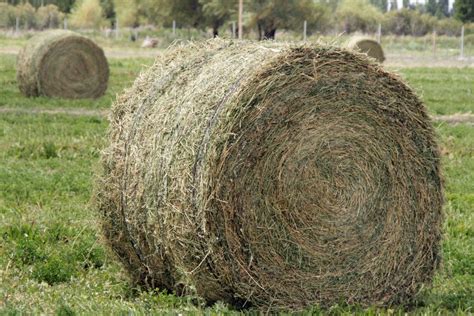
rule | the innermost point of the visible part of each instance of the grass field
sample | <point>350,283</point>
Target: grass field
<point>51,256</point>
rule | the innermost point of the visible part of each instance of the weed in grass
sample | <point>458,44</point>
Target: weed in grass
<point>55,269</point>
<point>50,150</point>
<point>89,253</point>
<point>28,252</point>
<point>64,310</point>
<point>56,253</point>
<point>28,248</point>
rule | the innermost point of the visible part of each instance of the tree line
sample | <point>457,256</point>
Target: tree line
<point>264,16</point>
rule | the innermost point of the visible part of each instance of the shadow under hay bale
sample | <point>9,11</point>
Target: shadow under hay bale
<point>273,176</point>
<point>62,64</point>
<point>367,46</point>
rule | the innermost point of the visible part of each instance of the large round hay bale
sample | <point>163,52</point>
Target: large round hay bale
<point>367,46</point>
<point>273,176</point>
<point>62,64</point>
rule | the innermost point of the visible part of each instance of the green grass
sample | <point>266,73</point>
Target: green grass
<point>123,72</point>
<point>52,258</point>
<point>444,90</point>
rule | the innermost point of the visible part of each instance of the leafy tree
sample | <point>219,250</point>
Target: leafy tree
<point>26,14</point>
<point>449,27</point>
<point>443,8</point>
<point>87,14</point>
<point>270,15</point>
<point>380,4</point>
<point>408,22</point>
<point>358,15</point>
<point>126,12</point>
<point>438,8</point>
<point>464,10</point>
<point>393,5</point>
<point>186,13</point>
<point>431,7</point>
<point>63,5</point>
<point>14,2</point>
<point>333,4</point>
<point>48,16</point>
<point>108,8</point>
<point>217,12</point>
<point>7,15</point>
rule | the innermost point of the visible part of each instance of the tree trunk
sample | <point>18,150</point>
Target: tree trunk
<point>269,33</point>
<point>215,29</point>
<point>260,35</point>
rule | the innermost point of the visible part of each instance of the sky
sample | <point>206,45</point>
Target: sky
<point>400,2</point>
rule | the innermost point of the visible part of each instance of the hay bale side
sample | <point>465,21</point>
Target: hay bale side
<point>367,46</point>
<point>272,176</point>
<point>62,64</point>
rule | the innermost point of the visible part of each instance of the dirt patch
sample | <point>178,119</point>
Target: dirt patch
<point>408,61</point>
<point>458,118</point>
<point>453,119</point>
<point>73,112</point>
<point>111,52</point>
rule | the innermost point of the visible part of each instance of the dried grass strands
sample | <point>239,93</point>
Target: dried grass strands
<point>62,64</point>
<point>273,176</point>
<point>367,46</point>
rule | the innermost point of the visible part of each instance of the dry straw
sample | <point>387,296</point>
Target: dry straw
<point>62,64</point>
<point>367,46</point>
<point>273,176</point>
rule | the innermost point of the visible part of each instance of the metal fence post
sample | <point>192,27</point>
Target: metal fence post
<point>305,24</point>
<point>379,33</point>
<point>116,28</point>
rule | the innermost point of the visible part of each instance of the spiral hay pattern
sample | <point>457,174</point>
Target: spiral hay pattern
<point>272,176</point>
<point>367,46</point>
<point>62,64</point>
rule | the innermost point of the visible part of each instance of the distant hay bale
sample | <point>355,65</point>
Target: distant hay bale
<point>149,42</point>
<point>367,46</point>
<point>62,64</point>
<point>272,176</point>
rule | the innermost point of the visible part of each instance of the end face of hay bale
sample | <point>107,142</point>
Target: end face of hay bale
<point>273,176</point>
<point>367,46</point>
<point>62,64</point>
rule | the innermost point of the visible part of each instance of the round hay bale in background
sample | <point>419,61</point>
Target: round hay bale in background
<point>62,64</point>
<point>367,46</point>
<point>273,176</point>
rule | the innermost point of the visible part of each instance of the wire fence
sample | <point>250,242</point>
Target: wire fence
<point>431,45</point>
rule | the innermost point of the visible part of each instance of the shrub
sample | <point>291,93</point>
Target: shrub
<point>55,269</point>
<point>87,14</point>
<point>127,12</point>
<point>7,15</point>
<point>88,253</point>
<point>27,15</point>
<point>28,244</point>
<point>358,15</point>
<point>469,39</point>
<point>49,16</point>
<point>409,22</point>
<point>449,27</point>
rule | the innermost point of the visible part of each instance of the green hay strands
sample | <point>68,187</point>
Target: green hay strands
<point>62,64</point>
<point>274,176</point>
